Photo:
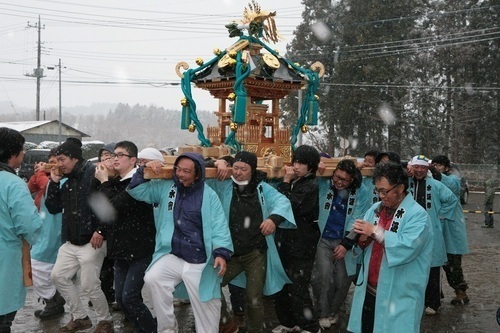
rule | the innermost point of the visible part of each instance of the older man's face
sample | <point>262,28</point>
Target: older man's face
<point>420,171</point>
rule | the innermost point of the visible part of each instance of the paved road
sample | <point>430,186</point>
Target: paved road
<point>481,268</point>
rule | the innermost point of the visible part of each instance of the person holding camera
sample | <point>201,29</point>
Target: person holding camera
<point>396,235</point>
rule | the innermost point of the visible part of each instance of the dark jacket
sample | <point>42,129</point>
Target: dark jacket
<point>72,199</point>
<point>132,232</point>
<point>304,197</point>
<point>187,241</point>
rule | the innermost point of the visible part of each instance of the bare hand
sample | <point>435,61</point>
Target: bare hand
<point>101,173</point>
<point>409,170</point>
<point>55,176</point>
<point>289,174</point>
<point>221,263</point>
<point>155,166</point>
<point>364,228</point>
<point>96,240</point>
<point>223,170</point>
<point>108,164</point>
<point>339,252</point>
<point>267,227</point>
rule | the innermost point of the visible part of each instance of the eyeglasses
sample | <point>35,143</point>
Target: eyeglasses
<point>340,179</point>
<point>383,191</point>
<point>120,155</point>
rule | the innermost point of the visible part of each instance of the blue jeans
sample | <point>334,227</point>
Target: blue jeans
<point>329,280</point>
<point>129,280</point>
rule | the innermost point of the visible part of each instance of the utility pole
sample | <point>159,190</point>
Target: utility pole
<point>60,104</point>
<point>38,71</point>
<point>60,100</point>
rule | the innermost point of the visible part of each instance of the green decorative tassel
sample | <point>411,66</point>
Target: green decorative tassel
<point>240,109</point>
<point>312,113</point>
<point>185,119</point>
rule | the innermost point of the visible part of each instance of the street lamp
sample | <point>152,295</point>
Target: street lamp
<point>60,102</point>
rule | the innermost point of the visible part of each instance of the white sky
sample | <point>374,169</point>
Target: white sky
<point>130,44</point>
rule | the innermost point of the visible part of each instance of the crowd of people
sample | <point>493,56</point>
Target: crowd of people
<point>106,232</point>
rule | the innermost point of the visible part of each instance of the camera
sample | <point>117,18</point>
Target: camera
<point>353,236</point>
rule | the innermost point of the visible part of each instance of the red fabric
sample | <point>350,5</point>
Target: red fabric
<point>38,183</point>
<point>378,251</point>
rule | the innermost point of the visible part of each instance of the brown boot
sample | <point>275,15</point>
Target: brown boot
<point>105,326</point>
<point>239,319</point>
<point>461,298</point>
<point>76,325</point>
<point>229,327</point>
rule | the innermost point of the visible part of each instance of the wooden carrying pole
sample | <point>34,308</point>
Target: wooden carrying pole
<point>167,172</point>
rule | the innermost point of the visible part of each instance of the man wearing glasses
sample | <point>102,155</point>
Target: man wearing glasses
<point>83,236</point>
<point>397,236</point>
<point>131,242</point>
<point>341,201</point>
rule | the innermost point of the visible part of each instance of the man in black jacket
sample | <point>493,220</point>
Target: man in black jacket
<point>83,237</point>
<point>297,247</point>
<point>132,240</point>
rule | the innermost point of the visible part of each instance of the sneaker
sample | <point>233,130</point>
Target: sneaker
<point>105,326</point>
<point>487,226</point>
<point>284,329</point>
<point>75,325</point>
<point>334,319</point>
<point>430,311</point>
<point>325,323</point>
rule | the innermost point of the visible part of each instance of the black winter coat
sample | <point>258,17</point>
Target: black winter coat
<point>304,197</point>
<point>132,232</point>
<point>72,199</point>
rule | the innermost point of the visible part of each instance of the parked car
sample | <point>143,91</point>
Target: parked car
<point>31,157</point>
<point>94,160</point>
<point>464,191</point>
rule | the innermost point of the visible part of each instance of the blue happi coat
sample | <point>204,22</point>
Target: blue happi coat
<point>455,232</point>
<point>404,271</point>
<point>271,202</point>
<point>440,204</point>
<point>19,219</point>
<point>45,250</point>
<point>358,202</point>
<point>215,230</point>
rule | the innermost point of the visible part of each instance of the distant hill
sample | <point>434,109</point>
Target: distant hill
<point>95,108</point>
<point>146,126</point>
